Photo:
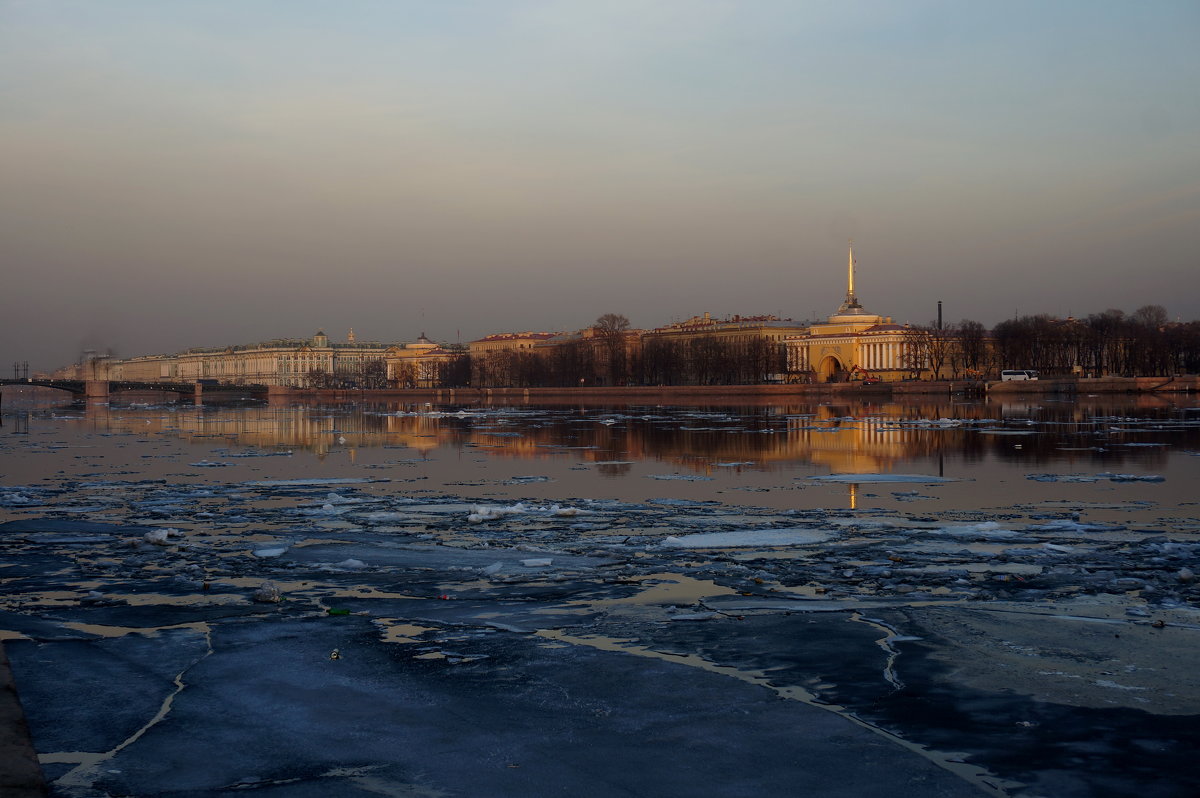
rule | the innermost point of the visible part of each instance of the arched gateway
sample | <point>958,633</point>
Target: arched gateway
<point>829,369</point>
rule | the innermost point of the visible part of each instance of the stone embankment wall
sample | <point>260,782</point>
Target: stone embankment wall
<point>1186,384</point>
<point>661,394</point>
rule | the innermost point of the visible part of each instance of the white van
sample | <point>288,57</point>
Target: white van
<point>1018,374</point>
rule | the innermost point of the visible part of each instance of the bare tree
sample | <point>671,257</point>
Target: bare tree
<point>318,377</point>
<point>914,352</point>
<point>1151,316</point>
<point>972,347</point>
<point>372,374</point>
<point>611,328</point>
<point>405,375</point>
<point>937,345</point>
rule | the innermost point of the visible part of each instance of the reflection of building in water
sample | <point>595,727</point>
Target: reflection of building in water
<point>298,428</point>
<point>848,439</point>
<point>867,445</point>
<point>820,435</point>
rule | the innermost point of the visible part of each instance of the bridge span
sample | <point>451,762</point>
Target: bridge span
<point>101,389</point>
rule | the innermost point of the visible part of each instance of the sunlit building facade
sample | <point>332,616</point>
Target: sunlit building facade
<point>307,362</point>
<point>425,364</point>
<point>851,344</point>
<point>854,344</point>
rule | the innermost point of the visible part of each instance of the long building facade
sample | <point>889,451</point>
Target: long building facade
<point>315,362</point>
<point>850,344</point>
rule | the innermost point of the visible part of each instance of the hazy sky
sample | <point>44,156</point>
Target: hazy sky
<point>201,173</point>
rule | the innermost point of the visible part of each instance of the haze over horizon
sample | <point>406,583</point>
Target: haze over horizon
<point>195,174</point>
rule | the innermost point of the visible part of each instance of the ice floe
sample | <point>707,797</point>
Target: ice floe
<point>162,537</point>
<point>747,538</point>
<point>1084,478</point>
<point>873,478</point>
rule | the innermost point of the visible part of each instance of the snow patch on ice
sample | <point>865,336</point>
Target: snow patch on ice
<point>162,537</point>
<point>986,530</point>
<point>1132,477</point>
<point>481,513</point>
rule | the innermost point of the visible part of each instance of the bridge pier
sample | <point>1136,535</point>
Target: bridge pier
<point>96,390</point>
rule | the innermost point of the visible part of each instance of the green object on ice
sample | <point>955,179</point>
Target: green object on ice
<point>337,611</point>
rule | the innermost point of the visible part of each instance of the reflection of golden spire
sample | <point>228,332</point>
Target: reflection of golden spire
<point>853,495</point>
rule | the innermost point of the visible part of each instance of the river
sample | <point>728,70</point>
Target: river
<point>1000,594</point>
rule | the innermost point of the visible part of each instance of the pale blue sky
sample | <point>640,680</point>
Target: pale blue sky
<point>207,173</point>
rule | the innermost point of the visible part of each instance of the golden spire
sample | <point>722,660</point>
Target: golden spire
<point>850,300</point>
<point>851,304</point>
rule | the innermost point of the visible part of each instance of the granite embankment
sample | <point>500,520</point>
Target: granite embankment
<point>658,394</point>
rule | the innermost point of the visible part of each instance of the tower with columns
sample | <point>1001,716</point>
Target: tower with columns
<point>852,343</point>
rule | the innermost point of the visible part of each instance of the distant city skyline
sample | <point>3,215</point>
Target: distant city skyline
<point>208,174</point>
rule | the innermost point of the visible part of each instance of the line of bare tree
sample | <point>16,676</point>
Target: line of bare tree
<point>367,374</point>
<point>1144,343</point>
<point>703,360</point>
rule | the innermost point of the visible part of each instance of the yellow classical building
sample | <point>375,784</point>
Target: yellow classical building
<point>424,364</point>
<point>505,359</point>
<point>854,344</point>
<point>313,362</point>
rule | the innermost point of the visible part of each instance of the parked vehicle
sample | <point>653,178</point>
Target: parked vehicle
<point>1011,375</point>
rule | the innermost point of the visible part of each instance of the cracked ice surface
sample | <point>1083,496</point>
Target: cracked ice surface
<point>405,616</point>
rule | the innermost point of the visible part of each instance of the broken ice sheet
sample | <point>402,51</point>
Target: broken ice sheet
<point>795,536</point>
<point>987,530</point>
<point>1062,477</point>
<point>481,513</point>
<point>1095,477</point>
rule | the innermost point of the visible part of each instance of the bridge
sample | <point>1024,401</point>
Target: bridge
<point>100,389</point>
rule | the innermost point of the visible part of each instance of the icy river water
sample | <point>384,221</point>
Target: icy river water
<point>949,598</point>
